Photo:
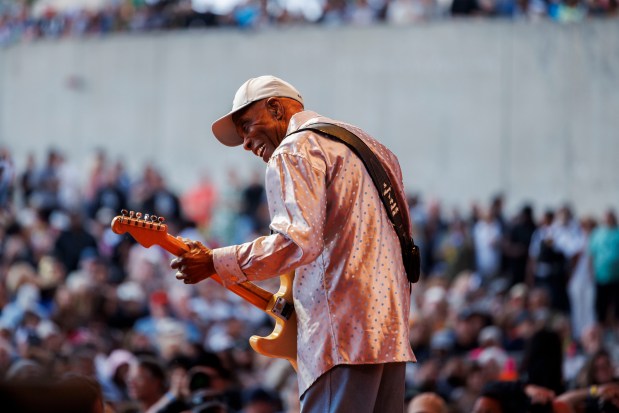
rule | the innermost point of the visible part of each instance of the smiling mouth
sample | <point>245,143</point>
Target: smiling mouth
<point>260,151</point>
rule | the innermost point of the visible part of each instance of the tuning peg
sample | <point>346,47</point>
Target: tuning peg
<point>161,220</point>
<point>153,218</point>
<point>138,215</point>
<point>146,217</point>
<point>124,212</point>
<point>131,214</point>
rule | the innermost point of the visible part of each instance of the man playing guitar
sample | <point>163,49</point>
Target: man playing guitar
<point>328,225</point>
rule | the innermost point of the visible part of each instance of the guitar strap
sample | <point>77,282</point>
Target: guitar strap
<point>410,251</point>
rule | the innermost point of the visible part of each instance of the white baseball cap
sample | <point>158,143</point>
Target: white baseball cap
<point>252,90</point>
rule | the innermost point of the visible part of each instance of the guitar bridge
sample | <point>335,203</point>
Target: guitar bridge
<point>282,308</point>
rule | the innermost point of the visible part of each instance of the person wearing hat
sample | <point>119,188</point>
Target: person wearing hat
<point>351,293</point>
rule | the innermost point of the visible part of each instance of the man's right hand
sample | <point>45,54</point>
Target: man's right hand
<point>195,265</point>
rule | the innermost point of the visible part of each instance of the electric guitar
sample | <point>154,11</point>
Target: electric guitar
<point>150,230</point>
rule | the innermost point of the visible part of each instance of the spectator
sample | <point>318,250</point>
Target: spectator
<point>487,240</point>
<point>457,250</point>
<point>27,179</point>
<point>55,322</point>
<point>81,394</point>
<point>581,288</point>
<point>433,232</point>
<point>147,382</point>
<point>517,397</point>
<point>23,23</point>
<point>113,375</point>
<point>260,400</point>
<point>71,394</point>
<point>25,371</point>
<point>199,201</point>
<point>543,361</point>
<point>516,244</point>
<point>427,403</point>
<point>7,178</point>
<point>604,250</point>
<point>547,263</point>
<point>73,241</point>
<point>109,195</point>
<point>597,387</point>
<point>45,194</point>
<point>599,369</point>
<point>464,7</point>
<point>473,386</point>
<point>158,199</point>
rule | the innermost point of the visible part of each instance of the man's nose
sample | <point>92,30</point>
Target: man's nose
<point>247,144</point>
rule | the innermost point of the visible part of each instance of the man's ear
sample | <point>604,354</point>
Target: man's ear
<point>275,107</point>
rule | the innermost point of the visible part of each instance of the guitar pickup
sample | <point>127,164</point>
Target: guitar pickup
<point>282,308</point>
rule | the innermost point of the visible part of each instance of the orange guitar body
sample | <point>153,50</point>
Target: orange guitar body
<point>282,342</point>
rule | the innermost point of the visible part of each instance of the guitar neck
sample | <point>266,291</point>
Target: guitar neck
<point>255,295</point>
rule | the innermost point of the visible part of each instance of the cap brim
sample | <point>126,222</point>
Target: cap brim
<point>225,130</point>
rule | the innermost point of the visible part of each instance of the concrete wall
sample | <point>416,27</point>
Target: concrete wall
<point>469,107</point>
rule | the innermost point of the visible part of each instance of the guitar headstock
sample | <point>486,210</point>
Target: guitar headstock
<point>146,229</point>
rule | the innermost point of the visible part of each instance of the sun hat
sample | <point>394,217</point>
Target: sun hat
<point>254,89</point>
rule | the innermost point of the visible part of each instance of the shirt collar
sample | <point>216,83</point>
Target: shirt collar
<point>298,120</point>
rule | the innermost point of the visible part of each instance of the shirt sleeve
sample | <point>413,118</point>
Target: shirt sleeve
<point>297,204</point>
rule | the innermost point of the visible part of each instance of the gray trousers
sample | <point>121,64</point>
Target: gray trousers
<point>364,388</point>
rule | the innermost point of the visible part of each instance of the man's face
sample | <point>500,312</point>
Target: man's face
<point>260,130</point>
<point>141,383</point>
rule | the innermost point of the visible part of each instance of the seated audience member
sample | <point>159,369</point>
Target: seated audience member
<point>593,399</point>
<point>210,407</point>
<point>113,375</point>
<point>487,404</point>
<point>597,387</point>
<point>72,393</point>
<point>427,403</point>
<point>517,397</point>
<point>147,382</point>
<point>598,369</point>
<point>260,400</point>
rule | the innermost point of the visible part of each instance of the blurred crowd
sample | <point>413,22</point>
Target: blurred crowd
<point>517,312</point>
<point>22,20</point>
